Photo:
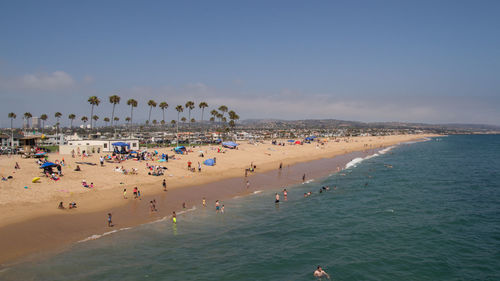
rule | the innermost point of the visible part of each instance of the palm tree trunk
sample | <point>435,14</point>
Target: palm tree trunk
<point>113,114</point>
<point>11,136</point>
<point>149,118</point>
<point>91,115</point>
<point>163,116</point>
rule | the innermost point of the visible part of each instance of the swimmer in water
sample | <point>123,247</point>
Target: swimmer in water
<point>204,202</point>
<point>277,198</point>
<point>285,194</point>
<point>320,273</point>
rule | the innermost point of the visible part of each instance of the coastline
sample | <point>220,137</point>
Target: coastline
<point>53,232</point>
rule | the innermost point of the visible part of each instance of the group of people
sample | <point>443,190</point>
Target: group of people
<point>71,205</point>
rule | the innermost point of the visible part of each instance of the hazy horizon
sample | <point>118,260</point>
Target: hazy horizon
<point>434,62</point>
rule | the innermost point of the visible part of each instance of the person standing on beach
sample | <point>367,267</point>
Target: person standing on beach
<point>281,165</point>
<point>101,159</point>
<point>135,192</point>
<point>110,223</point>
<point>124,193</point>
<point>164,185</point>
<point>304,178</point>
<point>217,206</point>
<point>248,184</point>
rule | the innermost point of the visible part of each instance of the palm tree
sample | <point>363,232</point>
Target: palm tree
<point>233,117</point>
<point>179,109</point>
<point>94,101</point>
<point>223,109</point>
<point>71,117</point>
<point>189,106</point>
<point>162,122</point>
<point>12,116</point>
<point>84,120</point>
<point>57,115</point>
<point>151,104</point>
<point>155,122</point>
<point>173,123</point>
<point>106,120</point>
<point>44,118</point>
<point>114,100</point>
<point>27,116</point>
<point>95,117</point>
<point>128,119</point>
<point>163,105</point>
<point>116,119</point>
<point>183,119</point>
<point>203,105</point>
<point>132,103</point>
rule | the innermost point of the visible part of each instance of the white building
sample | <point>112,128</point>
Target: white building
<point>103,145</point>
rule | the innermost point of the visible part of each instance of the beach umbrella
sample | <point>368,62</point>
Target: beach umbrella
<point>291,140</point>
<point>40,154</point>
<point>48,164</point>
<point>162,160</point>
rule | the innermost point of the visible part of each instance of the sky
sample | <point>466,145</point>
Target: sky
<point>375,60</point>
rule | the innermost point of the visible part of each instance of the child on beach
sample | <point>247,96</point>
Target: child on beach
<point>164,185</point>
<point>124,193</point>
<point>217,206</point>
<point>110,223</point>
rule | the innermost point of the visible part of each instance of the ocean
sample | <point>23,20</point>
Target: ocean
<point>419,211</point>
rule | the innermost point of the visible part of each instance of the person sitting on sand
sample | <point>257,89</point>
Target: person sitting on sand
<point>17,167</point>
<point>77,169</point>
<point>61,206</point>
<point>84,183</point>
<point>72,205</point>
<point>320,273</point>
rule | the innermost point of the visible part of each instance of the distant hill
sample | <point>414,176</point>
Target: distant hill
<point>336,124</point>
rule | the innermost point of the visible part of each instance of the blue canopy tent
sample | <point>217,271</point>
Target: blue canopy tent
<point>180,149</point>
<point>291,140</point>
<point>309,139</point>
<point>123,147</point>
<point>47,165</point>
<point>209,162</point>
<point>229,144</point>
<point>121,144</point>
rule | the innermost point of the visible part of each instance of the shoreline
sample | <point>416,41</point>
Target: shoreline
<point>56,232</point>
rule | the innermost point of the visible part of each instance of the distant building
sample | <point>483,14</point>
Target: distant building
<point>36,123</point>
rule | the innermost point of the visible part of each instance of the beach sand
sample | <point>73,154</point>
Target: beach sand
<point>30,221</point>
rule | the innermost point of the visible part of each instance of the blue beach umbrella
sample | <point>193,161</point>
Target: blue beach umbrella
<point>48,164</point>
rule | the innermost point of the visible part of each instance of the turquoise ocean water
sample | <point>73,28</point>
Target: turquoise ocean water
<point>421,211</point>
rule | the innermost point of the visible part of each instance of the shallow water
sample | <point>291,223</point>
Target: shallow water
<point>424,211</point>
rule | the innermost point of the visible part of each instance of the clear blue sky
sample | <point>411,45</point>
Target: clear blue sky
<point>418,61</point>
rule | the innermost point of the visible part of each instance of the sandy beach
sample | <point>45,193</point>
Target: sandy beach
<point>30,221</point>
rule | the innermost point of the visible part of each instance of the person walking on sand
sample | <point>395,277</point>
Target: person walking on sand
<point>135,192</point>
<point>110,222</point>
<point>164,185</point>
<point>320,273</point>
<point>101,159</point>
<point>124,193</point>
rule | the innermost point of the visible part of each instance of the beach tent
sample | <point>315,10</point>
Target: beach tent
<point>180,149</point>
<point>309,139</point>
<point>229,144</point>
<point>298,142</point>
<point>47,165</point>
<point>121,144</point>
<point>291,140</point>
<point>209,162</point>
